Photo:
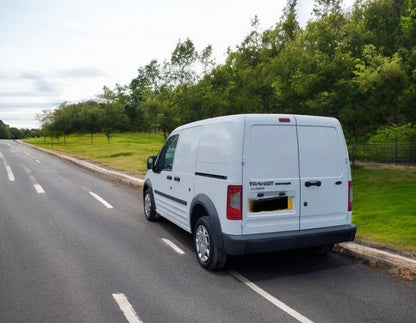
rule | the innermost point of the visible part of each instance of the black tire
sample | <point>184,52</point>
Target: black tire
<point>149,206</point>
<point>208,252</point>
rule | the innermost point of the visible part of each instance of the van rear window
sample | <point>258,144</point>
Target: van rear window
<point>273,152</point>
<point>269,204</point>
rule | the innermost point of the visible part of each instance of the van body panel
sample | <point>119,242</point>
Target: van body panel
<point>217,189</point>
<point>324,162</point>
<point>271,171</point>
<point>293,172</point>
<point>220,149</point>
<point>161,190</point>
<point>183,179</point>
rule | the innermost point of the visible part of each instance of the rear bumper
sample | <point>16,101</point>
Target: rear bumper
<point>278,241</point>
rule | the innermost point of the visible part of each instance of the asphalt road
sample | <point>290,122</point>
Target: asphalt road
<point>75,247</point>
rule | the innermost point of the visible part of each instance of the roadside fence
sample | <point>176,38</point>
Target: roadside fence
<point>390,153</point>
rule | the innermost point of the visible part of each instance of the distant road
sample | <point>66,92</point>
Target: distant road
<point>75,247</point>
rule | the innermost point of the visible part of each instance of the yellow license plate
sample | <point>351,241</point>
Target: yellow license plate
<point>271,204</point>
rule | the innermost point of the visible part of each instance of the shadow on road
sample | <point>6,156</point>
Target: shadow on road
<point>270,265</point>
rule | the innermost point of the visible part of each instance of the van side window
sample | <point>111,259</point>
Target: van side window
<point>167,154</point>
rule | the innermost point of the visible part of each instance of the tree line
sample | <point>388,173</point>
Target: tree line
<point>357,65</point>
<point>7,132</point>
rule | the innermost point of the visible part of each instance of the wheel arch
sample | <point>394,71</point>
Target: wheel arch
<point>148,185</point>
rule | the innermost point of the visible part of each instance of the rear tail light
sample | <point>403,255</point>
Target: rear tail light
<point>349,196</point>
<point>234,202</point>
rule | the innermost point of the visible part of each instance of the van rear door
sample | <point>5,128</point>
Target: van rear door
<point>270,175</point>
<point>324,173</point>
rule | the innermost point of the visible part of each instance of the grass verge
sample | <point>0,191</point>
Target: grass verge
<point>126,151</point>
<point>385,206</point>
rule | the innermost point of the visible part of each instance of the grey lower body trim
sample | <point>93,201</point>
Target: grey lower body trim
<point>278,241</point>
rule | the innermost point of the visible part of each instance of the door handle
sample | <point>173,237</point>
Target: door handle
<point>177,179</point>
<point>312,183</point>
<point>169,177</point>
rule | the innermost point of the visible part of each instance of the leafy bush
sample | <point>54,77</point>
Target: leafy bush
<point>395,133</point>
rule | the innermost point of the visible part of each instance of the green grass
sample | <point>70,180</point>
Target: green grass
<point>385,206</point>
<point>126,151</point>
<point>384,197</point>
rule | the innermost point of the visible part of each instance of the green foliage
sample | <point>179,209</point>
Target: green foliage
<point>4,131</point>
<point>7,132</point>
<point>404,133</point>
<point>358,66</point>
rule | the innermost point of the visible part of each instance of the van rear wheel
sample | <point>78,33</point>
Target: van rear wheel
<point>208,253</point>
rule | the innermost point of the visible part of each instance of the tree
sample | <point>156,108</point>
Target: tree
<point>179,70</point>
<point>324,8</point>
<point>90,116</point>
<point>112,118</point>
<point>383,80</point>
<point>149,110</point>
<point>62,121</point>
<point>49,127</point>
<point>394,133</point>
<point>4,131</point>
<point>206,60</point>
<point>146,86</point>
<point>16,133</point>
<point>358,66</point>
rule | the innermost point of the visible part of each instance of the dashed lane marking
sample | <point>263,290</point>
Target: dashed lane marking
<point>173,246</point>
<point>8,168</point>
<point>39,189</point>
<point>10,174</point>
<point>125,306</point>
<point>101,200</point>
<point>33,157</point>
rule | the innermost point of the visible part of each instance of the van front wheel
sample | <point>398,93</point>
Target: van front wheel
<point>149,208</point>
<point>208,253</point>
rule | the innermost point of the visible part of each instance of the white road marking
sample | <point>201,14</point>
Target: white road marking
<point>33,157</point>
<point>27,170</point>
<point>126,308</point>
<point>39,189</point>
<point>296,315</point>
<point>8,168</point>
<point>10,174</point>
<point>173,246</point>
<point>101,200</point>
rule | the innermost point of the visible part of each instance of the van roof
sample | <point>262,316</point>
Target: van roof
<point>237,118</point>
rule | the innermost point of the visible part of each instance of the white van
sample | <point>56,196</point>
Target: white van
<point>253,183</point>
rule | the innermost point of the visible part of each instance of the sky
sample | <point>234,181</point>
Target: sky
<point>55,51</point>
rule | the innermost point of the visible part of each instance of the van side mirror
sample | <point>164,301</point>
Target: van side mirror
<point>151,162</point>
